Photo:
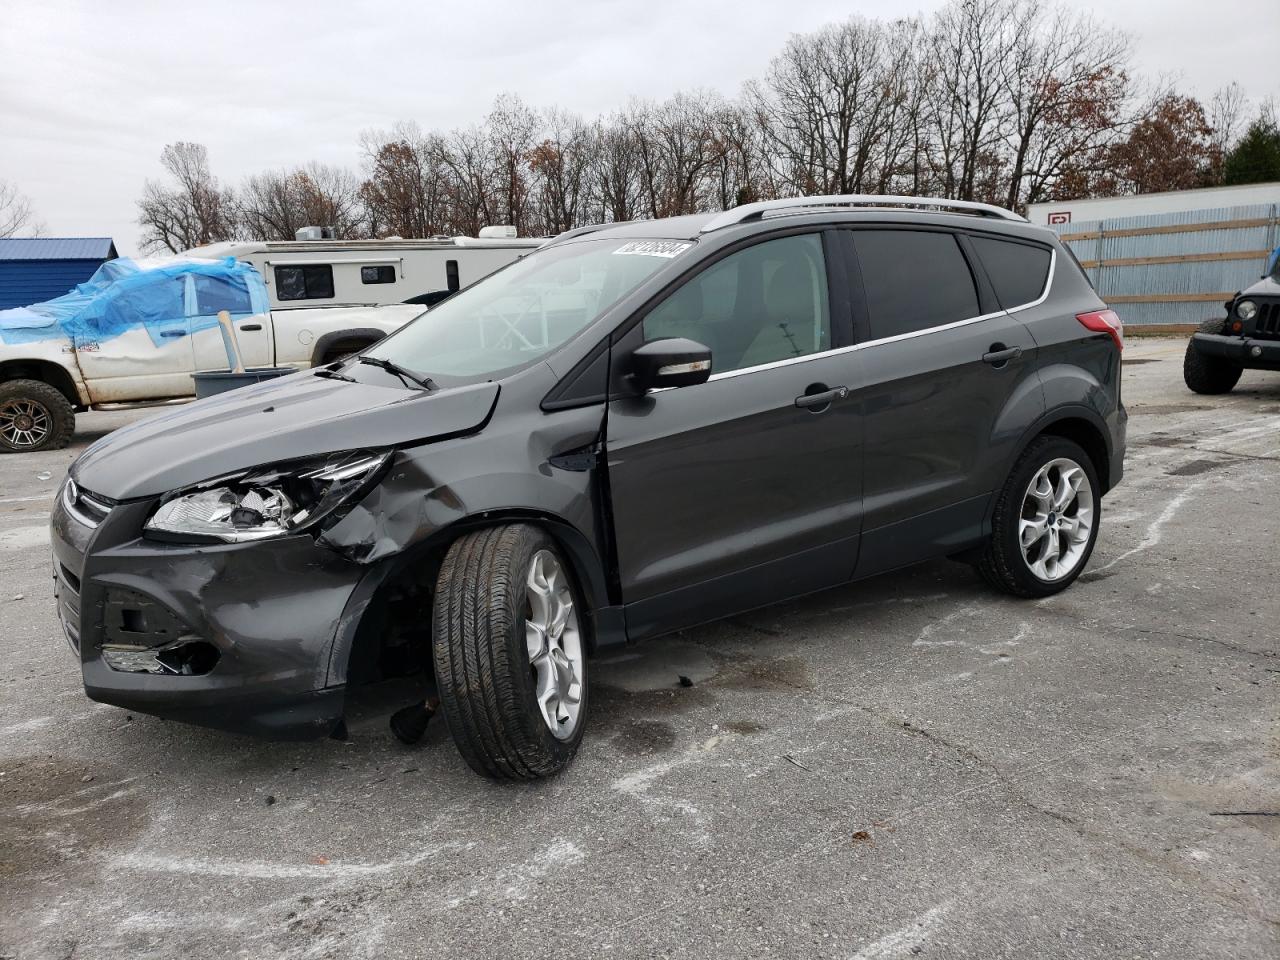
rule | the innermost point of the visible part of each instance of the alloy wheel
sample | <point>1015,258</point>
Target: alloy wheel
<point>24,424</point>
<point>1057,519</point>
<point>554,643</point>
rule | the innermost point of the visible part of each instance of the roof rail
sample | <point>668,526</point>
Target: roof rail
<point>579,231</point>
<point>755,211</point>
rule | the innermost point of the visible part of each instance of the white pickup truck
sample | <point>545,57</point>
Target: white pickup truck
<point>136,332</point>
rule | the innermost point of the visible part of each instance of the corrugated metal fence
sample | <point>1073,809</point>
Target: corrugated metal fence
<point>1175,267</point>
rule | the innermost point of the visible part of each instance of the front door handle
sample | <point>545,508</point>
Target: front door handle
<point>810,400</point>
<point>250,327</point>
<point>999,354</point>
<point>172,333</point>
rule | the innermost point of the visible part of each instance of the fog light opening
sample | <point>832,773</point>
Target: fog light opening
<point>186,658</point>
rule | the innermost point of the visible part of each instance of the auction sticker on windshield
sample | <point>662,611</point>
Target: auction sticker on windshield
<point>653,248</point>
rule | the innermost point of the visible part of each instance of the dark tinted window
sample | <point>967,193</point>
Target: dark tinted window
<point>379,274</point>
<point>214,294</point>
<point>1018,271</point>
<point>759,305</point>
<point>304,283</point>
<point>913,280</point>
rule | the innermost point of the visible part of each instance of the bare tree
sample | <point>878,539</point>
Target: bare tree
<point>16,215</point>
<point>618,171</point>
<point>1066,93</point>
<point>561,167</point>
<point>405,191</point>
<point>194,210</point>
<point>276,204</point>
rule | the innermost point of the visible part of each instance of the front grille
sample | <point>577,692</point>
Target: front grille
<point>1266,325</point>
<point>88,508</point>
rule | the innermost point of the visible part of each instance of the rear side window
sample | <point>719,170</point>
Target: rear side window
<point>214,294</point>
<point>304,283</point>
<point>1018,271</point>
<point>913,280</point>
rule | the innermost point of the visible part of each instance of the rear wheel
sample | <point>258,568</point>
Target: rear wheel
<point>1209,375</point>
<point>1045,521</point>
<point>510,653</point>
<point>34,416</point>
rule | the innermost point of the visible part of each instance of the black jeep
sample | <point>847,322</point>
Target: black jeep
<point>1248,338</point>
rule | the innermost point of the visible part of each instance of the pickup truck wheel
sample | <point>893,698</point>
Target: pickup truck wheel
<point>1209,375</point>
<point>1045,521</point>
<point>34,416</point>
<point>510,653</point>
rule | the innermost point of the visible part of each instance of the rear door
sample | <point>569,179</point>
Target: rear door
<point>740,491</point>
<point>206,295</point>
<point>949,384</point>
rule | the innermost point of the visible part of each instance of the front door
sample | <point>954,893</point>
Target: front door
<point>743,490</point>
<point>139,347</point>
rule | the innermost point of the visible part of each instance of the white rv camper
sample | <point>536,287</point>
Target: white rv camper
<point>316,270</point>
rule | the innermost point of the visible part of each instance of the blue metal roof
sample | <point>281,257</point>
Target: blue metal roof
<point>58,248</point>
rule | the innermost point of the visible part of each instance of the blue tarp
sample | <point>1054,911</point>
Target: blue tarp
<point>178,294</point>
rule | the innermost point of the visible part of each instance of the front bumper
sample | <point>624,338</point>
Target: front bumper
<point>267,615</point>
<point>1243,351</point>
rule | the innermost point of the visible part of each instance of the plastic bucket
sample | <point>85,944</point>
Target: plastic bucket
<point>211,384</point>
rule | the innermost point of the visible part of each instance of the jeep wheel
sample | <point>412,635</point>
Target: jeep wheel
<point>510,654</point>
<point>1209,374</point>
<point>1045,521</point>
<point>34,416</point>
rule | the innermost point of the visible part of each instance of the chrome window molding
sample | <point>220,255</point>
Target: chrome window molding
<point>1048,286</point>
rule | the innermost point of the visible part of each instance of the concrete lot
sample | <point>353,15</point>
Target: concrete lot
<point>909,766</point>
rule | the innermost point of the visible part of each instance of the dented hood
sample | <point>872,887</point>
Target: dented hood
<point>296,416</point>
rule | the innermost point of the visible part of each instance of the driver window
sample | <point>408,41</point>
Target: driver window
<point>759,305</point>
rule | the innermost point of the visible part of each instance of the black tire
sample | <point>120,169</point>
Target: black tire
<point>1002,562</point>
<point>482,666</point>
<point>1209,375</point>
<point>17,399</point>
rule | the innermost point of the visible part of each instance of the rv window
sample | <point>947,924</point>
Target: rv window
<point>379,274</point>
<point>304,283</point>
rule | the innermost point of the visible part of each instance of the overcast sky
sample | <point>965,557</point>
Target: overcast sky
<point>90,92</point>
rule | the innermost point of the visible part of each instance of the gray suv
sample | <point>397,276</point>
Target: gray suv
<point>638,428</point>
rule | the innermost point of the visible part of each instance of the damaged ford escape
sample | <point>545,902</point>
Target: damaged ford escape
<point>636,429</point>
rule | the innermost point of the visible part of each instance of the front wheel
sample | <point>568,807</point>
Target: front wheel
<point>510,653</point>
<point>1209,375</point>
<point>34,416</point>
<point>1045,522</point>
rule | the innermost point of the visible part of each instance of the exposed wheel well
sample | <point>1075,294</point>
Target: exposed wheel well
<point>46,372</point>
<point>335,345</point>
<point>1088,436</point>
<point>393,637</point>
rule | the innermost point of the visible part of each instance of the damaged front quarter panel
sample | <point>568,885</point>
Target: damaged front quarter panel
<point>526,465</point>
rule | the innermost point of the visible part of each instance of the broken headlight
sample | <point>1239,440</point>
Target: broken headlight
<point>266,501</point>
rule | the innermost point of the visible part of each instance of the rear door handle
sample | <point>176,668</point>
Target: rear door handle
<point>821,399</point>
<point>172,333</point>
<point>249,327</point>
<point>1000,355</point>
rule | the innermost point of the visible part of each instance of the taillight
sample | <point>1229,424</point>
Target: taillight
<point>1104,321</point>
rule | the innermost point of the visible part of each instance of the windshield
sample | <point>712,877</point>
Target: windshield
<point>522,313</point>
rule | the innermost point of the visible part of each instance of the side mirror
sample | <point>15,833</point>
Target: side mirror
<point>673,362</point>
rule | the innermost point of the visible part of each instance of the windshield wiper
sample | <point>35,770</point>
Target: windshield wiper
<point>331,373</point>
<point>426,383</point>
